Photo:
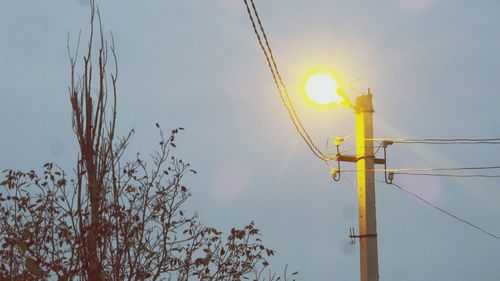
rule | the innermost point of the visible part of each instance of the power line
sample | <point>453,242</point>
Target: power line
<point>442,141</point>
<point>436,139</point>
<point>280,85</point>
<point>287,102</point>
<point>427,169</point>
<point>447,169</point>
<point>421,172</point>
<point>449,175</point>
<point>444,211</point>
<point>276,76</point>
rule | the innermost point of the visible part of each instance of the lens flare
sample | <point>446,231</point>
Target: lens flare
<point>323,89</point>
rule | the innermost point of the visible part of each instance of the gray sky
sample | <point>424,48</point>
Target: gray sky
<point>433,67</point>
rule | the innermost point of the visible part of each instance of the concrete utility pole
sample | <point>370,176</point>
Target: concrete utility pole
<point>365,160</point>
<point>366,188</point>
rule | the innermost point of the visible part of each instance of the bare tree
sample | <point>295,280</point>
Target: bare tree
<point>117,219</point>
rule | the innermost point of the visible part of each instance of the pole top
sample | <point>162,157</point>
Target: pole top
<point>364,103</point>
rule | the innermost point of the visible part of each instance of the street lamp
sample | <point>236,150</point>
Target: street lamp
<point>324,88</point>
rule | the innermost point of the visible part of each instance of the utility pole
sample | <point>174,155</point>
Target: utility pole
<point>365,160</point>
<point>366,188</point>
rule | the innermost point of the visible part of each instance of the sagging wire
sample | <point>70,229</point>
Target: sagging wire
<point>444,211</point>
<point>305,136</point>
<point>389,180</point>
<point>280,85</point>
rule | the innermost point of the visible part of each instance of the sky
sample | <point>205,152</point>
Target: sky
<point>431,64</point>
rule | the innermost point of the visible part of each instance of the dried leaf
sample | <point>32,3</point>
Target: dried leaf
<point>207,259</point>
<point>33,267</point>
<point>22,247</point>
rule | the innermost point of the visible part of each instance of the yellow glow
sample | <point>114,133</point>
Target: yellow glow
<point>322,88</point>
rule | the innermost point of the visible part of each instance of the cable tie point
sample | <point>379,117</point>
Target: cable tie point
<point>390,176</point>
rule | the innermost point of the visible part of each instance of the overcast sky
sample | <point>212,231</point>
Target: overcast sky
<point>433,66</point>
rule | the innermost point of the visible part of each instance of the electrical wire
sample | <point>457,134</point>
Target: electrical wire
<point>347,150</point>
<point>426,169</point>
<point>353,149</point>
<point>449,175</point>
<point>435,139</point>
<point>354,89</point>
<point>350,181</point>
<point>280,85</point>
<point>378,148</point>
<point>418,172</point>
<point>447,169</point>
<point>287,102</point>
<point>441,141</point>
<point>444,211</point>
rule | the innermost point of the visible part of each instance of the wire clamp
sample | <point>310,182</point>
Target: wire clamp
<point>335,173</point>
<point>353,236</point>
<point>338,141</point>
<point>388,176</point>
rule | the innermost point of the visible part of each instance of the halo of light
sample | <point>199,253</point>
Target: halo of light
<point>322,88</point>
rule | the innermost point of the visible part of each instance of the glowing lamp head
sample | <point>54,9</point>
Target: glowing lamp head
<point>323,89</point>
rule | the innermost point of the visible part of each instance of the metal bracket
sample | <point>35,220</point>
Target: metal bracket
<point>354,159</point>
<point>353,236</point>
<point>389,176</point>
<point>335,172</point>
